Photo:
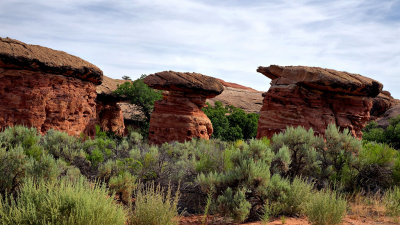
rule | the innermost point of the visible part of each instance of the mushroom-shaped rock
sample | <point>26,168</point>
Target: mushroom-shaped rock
<point>46,89</point>
<point>314,97</point>
<point>178,116</point>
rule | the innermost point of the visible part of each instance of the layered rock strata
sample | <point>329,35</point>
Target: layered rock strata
<point>314,97</point>
<point>47,89</point>
<point>178,116</point>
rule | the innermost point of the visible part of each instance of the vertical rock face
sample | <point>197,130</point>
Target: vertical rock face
<point>47,89</point>
<point>313,98</point>
<point>178,116</point>
<point>109,113</point>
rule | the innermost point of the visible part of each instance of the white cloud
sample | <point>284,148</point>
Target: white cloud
<point>228,40</point>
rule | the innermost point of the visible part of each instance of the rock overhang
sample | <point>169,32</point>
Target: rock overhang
<point>323,79</point>
<point>15,54</point>
<point>192,83</point>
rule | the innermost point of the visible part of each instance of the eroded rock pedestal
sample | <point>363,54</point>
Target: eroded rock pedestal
<point>313,98</point>
<point>47,89</point>
<point>178,116</point>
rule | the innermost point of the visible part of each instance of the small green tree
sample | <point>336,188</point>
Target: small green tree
<point>390,135</point>
<point>231,123</point>
<point>143,97</point>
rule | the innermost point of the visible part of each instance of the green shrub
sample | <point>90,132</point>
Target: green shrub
<point>123,185</point>
<point>287,198</point>
<point>61,145</point>
<point>27,138</point>
<point>62,202</point>
<point>391,200</point>
<point>154,207</point>
<point>338,156</point>
<point>390,135</point>
<point>377,153</point>
<point>377,167</point>
<point>12,169</point>
<point>231,123</point>
<point>100,149</point>
<point>45,168</point>
<point>329,161</point>
<point>234,205</point>
<point>392,132</point>
<point>372,132</point>
<point>246,167</point>
<point>325,208</point>
<point>302,145</point>
<point>143,97</point>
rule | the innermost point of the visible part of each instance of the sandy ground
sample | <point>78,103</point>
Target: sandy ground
<point>197,220</point>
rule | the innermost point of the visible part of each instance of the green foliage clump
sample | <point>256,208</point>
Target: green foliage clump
<point>27,138</point>
<point>123,185</point>
<point>302,145</point>
<point>154,206</point>
<point>338,156</point>
<point>234,204</point>
<point>18,162</point>
<point>390,135</point>
<point>61,145</point>
<point>328,159</point>
<point>12,169</point>
<point>287,198</point>
<point>99,149</point>
<point>373,133</point>
<point>326,208</point>
<point>377,167</point>
<point>231,123</point>
<point>243,179</point>
<point>391,200</point>
<point>143,97</point>
<point>62,202</point>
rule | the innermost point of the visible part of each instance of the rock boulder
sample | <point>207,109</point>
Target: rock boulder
<point>314,97</point>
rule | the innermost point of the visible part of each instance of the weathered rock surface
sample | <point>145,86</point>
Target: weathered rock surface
<point>382,103</point>
<point>48,89</point>
<point>315,97</point>
<point>185,82</point>
<point>392,112</point>
<point>18,55</point>
<point>109,113</point>
<point>47,101</point>
<point>178,116</point>
<point>246,98</point>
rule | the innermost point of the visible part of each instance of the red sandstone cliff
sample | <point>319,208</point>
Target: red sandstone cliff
<point>313,98</point>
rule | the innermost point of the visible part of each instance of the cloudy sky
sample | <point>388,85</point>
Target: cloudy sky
<point>227,39</point>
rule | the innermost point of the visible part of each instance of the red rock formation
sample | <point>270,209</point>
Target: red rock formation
<point>47,89</point>
<point>178,116</point>
<point>109,113</point>
<point>246,98</point>
<point>384,120</point>
<point>382,103</point>
<point>313,98</point>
